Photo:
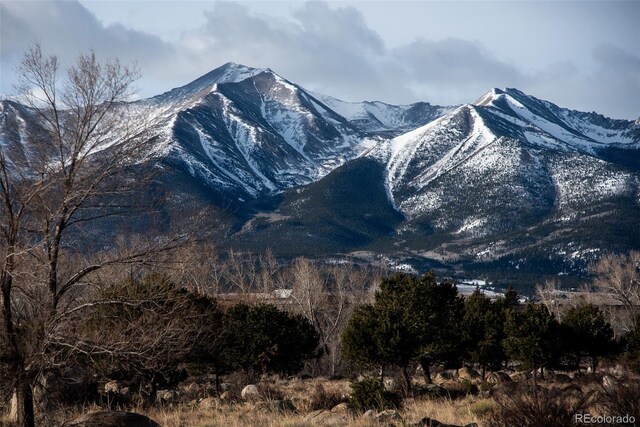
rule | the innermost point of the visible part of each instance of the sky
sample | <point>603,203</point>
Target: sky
<point>580,55</point>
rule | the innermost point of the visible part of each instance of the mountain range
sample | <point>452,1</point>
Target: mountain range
<point>509,187</point>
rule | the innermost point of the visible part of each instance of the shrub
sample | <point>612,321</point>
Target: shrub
<point>483,408</point>
<point>264,339</point>
<point>320,398</point>
<point>622,399</point>
<point>528,407</point>
<point>371,394</point>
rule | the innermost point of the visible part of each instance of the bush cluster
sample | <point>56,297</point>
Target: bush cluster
<point>420,322</point>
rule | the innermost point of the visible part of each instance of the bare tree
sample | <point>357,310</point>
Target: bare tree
<point>327,297</point>
<point>242,272</point>
<point>198,267</point>
<point>73,169</point>
<point>550,295</point>
<point>619,277</point>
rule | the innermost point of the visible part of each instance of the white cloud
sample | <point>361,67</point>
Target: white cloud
<point>324,48</point>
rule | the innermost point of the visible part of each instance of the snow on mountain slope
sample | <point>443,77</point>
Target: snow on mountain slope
<point>544,120</point>
<point>487,166</point>
<point>249,131</point>
<point>376,117</point>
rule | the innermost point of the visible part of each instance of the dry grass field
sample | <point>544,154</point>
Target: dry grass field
<point>322,402</point>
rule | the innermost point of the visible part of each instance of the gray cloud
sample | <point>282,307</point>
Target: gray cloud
<point>616,82</point>
<point>454,69</point>
<point>325,49</point>
<point>66,28</point>
<point>328,49</point>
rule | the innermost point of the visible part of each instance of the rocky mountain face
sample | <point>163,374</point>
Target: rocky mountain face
<point>509,183</point>
<point>247,132</point>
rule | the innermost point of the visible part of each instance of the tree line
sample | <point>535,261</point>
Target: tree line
<point>418,322</point>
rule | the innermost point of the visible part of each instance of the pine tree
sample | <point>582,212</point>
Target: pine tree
<point>532,338</point>
<point>587,333</point>
<point>483,327</point>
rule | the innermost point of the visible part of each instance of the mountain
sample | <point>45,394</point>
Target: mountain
<point>245,132</point>
<point>509,186</point>
<point>379,118</point>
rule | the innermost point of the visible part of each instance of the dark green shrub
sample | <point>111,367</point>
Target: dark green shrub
<point>264,339</point>
<point>371,394</point>
<point>587,333</point>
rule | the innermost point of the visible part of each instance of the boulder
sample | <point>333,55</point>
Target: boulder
<point>323,417</point>
<point>498,378</point>
<point>341,407</point>
<point>113,419</point>
<point>250,392</point>
<point>208,403</point>
<point>430,422</point>
<point>114,387</point>
<point>388,416</point>
<point>466,373</point>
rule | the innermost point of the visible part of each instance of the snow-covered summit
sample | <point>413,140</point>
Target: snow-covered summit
<point>227,73</point>
<point>541,122</point>
<point>378,117</point>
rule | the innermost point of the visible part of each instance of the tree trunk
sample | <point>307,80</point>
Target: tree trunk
<point>594,363</point>
<point>484,372</point>
<point>578,357</point>
<point>25,415</point>
<point>407,381</point>
<point>425,371</point>
<point>217,380</point>
<point>535,383</point>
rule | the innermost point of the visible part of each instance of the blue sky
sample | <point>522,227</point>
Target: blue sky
<point>581,55</point>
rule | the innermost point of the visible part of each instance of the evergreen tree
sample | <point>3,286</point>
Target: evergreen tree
<point>412,319</point>
<point>260,339</point>
<point>483,326</point>
<point>532,337</point>
<point>587,333</point>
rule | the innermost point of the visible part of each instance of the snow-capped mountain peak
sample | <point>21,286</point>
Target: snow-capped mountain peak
<point>488,98</point>
<point>227,73</point>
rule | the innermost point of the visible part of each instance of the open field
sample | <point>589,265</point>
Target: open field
<point>454,401</point>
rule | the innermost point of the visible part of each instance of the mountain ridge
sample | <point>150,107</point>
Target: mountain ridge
<point>508,177</point>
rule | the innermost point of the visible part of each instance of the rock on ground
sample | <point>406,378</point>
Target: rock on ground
<point>113,419</point>
<point>250,392</point>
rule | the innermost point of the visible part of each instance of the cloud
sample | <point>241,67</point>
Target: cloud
<point>611,86</point>
<point>315,48</point>
<point>615,83</point>
<point>452,69</point>
<point>324,48</point>
<point>66,28</point>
